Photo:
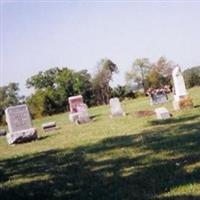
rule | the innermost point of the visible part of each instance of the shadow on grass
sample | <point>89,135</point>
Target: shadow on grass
<point>174,120</point>
<point>183,197</point>
<point>95,117</point>
<point>44,137</point>
<point>75,174</point>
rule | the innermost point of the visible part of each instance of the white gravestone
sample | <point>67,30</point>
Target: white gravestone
<point>116,108</point>
<point>162,113</point>
<point>181,98</point>
<point>179,84</point>
<point>83,115</point>
<point>19,124</point>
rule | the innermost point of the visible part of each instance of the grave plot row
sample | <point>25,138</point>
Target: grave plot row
<point>20,124</point>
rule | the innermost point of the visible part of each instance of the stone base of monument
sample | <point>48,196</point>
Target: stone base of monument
<point>49,126</point>
<point>79,118</point>
<point>2,132</point>
<point>22,136</point>
<point>176,105</point>
<point>73,117</point>
<point>162,113</point>
<point>83,117</point>
<point>184,102</point>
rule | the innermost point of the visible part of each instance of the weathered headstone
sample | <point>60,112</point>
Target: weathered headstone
<point>19,124</point>
<point>49,126</point>
<point>158,98</point>
<point>78,110</point>
<point>162,113</point>
<point>180,94</point>
<point>116,108</point>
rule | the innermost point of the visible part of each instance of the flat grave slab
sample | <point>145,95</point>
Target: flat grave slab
<point>49,126</point>
<point>162,113</point>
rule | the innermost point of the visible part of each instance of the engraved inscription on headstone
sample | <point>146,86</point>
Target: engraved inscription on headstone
<point>158,98</point>
<point>19,125</point>
<point>18,118</point>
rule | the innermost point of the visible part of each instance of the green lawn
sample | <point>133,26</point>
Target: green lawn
<point>126,158</point>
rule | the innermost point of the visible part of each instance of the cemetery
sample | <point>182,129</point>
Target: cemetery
<point>125,148</point>
<point>99,100</point>
<point>156,153</point>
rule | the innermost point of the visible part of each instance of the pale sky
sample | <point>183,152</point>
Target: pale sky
<point>38,35</point>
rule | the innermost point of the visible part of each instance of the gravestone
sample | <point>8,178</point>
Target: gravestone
<point>158,98</point>
<point>74,101</point>
<point>19,124</point>
<point>49,126</point>
<point>180,94</point>
<point>116,108</point>
<point>162,113</point>
<point>78,110</point>
<point>83,116</point>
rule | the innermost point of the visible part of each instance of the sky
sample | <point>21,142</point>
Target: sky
<point>38,35</point>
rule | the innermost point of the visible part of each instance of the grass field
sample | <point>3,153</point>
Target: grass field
<point>126,158</point>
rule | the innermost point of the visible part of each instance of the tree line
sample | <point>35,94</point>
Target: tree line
<point>53,86</point>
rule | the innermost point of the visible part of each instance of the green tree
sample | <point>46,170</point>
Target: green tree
<point>9,96</point>
<point>36,103</point>
<point>43,79</point>
<point>163,67</point>
<point>122,92</point>
<point>70,83</point>
<point>54,86</point>
<point>101,80</point>
<point>140,69</point>
<point>153,75</point>
<point>160,74</point>
<point>153,79</point>
<point>192,76</point>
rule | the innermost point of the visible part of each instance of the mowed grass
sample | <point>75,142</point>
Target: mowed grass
<point>110,158</point>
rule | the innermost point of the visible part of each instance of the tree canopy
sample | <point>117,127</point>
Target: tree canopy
<point>9,96</point>
<point>147,74</point>
<point>54,86</point>
<point>192,76</point>
<point>101,80</point>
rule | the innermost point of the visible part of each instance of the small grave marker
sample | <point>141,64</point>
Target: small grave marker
<point>49,126</point>
<point>162,113</point>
